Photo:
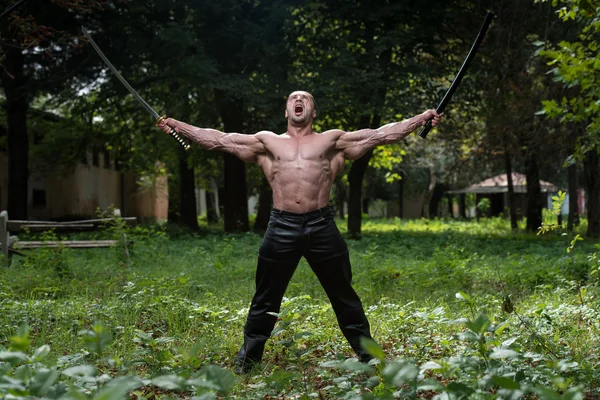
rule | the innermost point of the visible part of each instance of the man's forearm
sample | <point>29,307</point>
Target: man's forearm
<point>397,131</point>
<point>210,139</point>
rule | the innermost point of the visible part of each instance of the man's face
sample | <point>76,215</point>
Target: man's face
<point>300,108</point>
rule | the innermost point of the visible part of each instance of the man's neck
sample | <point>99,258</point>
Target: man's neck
<point>299,131</point>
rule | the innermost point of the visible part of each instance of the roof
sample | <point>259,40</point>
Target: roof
<point>499,184</point>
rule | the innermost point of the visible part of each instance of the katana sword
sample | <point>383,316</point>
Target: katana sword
<point>484,27</point>
<point>157,118</point>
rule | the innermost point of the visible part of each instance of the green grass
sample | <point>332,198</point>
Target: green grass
<point>177,290</point>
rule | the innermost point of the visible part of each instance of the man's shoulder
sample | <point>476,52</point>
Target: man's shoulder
<point>334,132</point>
<point>266,133</point>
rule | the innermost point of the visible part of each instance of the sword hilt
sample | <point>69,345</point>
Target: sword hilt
<point>182,141</point>
<point>426,128</point>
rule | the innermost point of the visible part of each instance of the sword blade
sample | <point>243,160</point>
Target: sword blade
<point>461,72</point>
<point>157,118</point>
<point>118,75</point>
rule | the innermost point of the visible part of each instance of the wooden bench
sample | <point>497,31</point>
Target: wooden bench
<point>12,244</point>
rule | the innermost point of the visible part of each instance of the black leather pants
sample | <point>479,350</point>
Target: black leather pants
<point>289,237</point>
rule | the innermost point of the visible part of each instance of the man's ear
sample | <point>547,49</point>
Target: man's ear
<point>314,113</point>
<point>286,114</point>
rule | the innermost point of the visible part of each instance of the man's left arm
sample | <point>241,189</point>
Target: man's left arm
<point>355,144</point>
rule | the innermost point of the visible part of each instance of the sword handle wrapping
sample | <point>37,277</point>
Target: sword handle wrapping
<point>184,143</point>
<point>425,130</point>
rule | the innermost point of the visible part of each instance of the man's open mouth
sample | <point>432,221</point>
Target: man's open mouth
<point>298,109</point>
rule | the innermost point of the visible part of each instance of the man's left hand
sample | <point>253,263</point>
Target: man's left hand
<point>433,116</point>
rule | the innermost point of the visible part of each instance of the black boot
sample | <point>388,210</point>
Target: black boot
<point>244,362</point>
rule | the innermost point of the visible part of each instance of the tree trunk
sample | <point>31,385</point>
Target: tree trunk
<point>512,205</point>
<point>573,195</point>
<point>188,215</point>
<point>365,205</point>
<point>438,194</point>
<point>534,192</point>
<point>17,104</point>
<point>235,199</point>
<point>591,166</point>
<point>450,205</point>
<point>212,215</point>
<point>426,213</point>
<point>401,195</point>
<point>462,206</point>
<point>265,202</point>
<point>355,179</point>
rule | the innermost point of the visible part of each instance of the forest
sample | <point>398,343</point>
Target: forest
<point>467,297</point>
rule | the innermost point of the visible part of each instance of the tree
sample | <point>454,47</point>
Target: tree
<point>576,66</point>
<point>368,63</point>
<point>512,83</point>
<point>38,53</point>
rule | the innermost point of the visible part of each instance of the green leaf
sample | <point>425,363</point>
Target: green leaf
<point>23,372</point>
<point>463,296</point>
<point>170,382</point>
<point>480,324</point>
<point>504,353</point>
<point>119,388</point>
<point>355,366</point>
<point>300,335</point>
<point>13,357</point>
<point>400,373</point>
<point>98,339</point>
<point>80,370</point>
<point>460,389</point>
<point>373,348</point>
<point>205,396</point>
<point>468,336</point>
<point>221,378</point>
<point>41,352</point>
<point>43,381</point>
<point>430,365</point>
<point>21,340</point>
<point>430,384</point>
<point>505,383</point>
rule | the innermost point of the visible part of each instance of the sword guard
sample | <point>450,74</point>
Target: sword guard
<point>160,120</point>
<point>182,141</point>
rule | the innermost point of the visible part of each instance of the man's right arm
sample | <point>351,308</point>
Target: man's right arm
<point>246,147</point>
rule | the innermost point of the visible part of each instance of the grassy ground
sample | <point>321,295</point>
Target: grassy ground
<point>180,300</point>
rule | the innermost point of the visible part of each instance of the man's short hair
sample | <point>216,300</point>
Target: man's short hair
<point>312,98</point>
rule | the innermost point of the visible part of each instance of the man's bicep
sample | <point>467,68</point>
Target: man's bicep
<point>247,147</point>
<point>356,138</point>
<point>355,144</point>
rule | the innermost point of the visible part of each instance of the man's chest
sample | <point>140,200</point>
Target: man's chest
<point>284,148</point>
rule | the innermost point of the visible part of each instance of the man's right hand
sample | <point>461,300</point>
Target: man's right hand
<point>168,122</point>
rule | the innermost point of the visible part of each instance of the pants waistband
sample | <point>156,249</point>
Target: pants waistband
<point>320,211</point>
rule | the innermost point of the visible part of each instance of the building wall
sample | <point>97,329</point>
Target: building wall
<point>80,193</point>
<point>152,203</point>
